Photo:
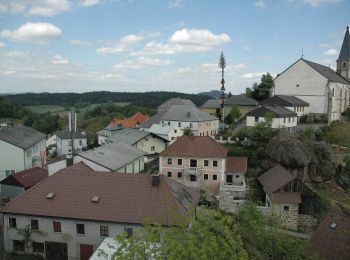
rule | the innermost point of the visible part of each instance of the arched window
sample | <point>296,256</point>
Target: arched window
<point>333,92</point>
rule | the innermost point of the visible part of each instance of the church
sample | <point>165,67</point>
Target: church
<point>327,91</point>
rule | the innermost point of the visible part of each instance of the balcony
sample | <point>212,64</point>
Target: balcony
<point>193,170</point>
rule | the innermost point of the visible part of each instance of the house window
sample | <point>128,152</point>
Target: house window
<point>237,176</point>
<point>80,229</point>
<point>12,223</point>
<point>215,177</point>
<point>215,163</point>
<point>179,124</point>
<point>193,177</point>
<point>38,247</point>
<point>286,208</point>
<point>146,139</point>
<point>34,224</point>
<point>206,162</point>
<point>18,245</point>
<point>179,175</point>
<point>29,152</point>
<point>56,226</point>
<point>179,161</point>
<point>169,174</point>
<point>333,92</point>
<point>191,125</point>
<point>80,142</point>
<point>297,85</point>
<point>288,119</point>
<point>344,64</point>
<point>170,161</point>
<point>152,148</point>
<point>256,119</point>
<point>206,176</point>
<point>175,131</point>
<point>104,231</point>
<point>129,231</point>
<point>168,123</point>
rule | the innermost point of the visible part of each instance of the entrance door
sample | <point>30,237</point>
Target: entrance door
<point>229,179</point>
<point>86,251</point>
<point>56,251</point>
<point>193,163</point>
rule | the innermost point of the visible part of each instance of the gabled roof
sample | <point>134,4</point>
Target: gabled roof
<point>196,147</point>
<point>331,240</point>
<point>279,111</point>
<point>174,101</point>
<point>236,164</point>
<point>275,178</point>
<point>113,156</point>
<point>344,54</point>
<point>130,136</point>
<point>123,198</point>
<point>241,100</point>
<point>211,103</point>
<point>155,119</point>
<point>185,113</point>
<point>26,178</point>
<point>139,117</point>
<point>132,122</point>
<point>20,135</point>
<point>327,72</point>
<point>285,101</point>
<point>65,134</point>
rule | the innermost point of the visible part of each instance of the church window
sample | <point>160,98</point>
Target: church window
<point>344,64</point>
<point>333,92</point>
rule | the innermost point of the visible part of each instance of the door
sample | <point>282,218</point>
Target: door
<point>229,179</point>
<point>56,251</point>
<point>86,251</point>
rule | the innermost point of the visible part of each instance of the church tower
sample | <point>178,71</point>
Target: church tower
<point>343,62</point>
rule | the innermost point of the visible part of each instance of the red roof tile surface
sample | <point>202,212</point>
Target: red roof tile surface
<point>236,164</point>
<point>126,198</point>
<point>195,146</point>
<point>26,178</point>
<point>131,122</point>
<point>332,243</point>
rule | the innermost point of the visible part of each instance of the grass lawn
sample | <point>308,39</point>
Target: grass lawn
<point>340,133</point>
<point>45,108</point>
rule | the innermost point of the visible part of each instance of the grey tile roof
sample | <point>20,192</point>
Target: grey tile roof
<point>211,103</point>
<point>344,54</point>
<point>20,135</point>
<point>130,136</point>
<point>184,113</point>
<point>327,72</point>
<point>241,100</point>
<point>155,119</point>
<point>114,155</point>
<point>65,134</point>
<point>286,101</point>
<point>279,111</point>
<point>174,101</point>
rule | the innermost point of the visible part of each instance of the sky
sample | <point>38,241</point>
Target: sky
<point>161,45</point>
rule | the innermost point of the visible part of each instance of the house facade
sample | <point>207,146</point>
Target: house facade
<point>244,103</point>
<point>21,148</point>
<point>107,132</point>
<point>64,142</point>
<point>167,132</point>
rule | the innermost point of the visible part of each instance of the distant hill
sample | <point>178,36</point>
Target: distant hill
<point>145,99</point>
<point>212,93</point>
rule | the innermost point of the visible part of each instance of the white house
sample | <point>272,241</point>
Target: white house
<point>21,148</point>
<point>281,117</point>
<point>64,141</point>
<point>170,133</point>
<point>77,216</point>
<point>107,132</point>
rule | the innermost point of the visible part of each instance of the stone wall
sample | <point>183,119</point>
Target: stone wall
<point>306,221</point>
<point>226,201</point>
<point>288,218</point>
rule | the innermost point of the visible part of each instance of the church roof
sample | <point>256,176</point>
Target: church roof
<point>344,54</point>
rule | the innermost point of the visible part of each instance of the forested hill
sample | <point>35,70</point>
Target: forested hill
<point>146,99</point>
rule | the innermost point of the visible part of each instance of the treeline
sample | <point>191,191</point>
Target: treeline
<point>46,123</point>
<point>145,99</point>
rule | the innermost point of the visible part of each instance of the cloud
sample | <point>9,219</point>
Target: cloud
<point>2,45</point>
<point>123,45</point>
<point>263,58</point>
<point>316,3</point>
<point>330,52</point>
<point>57,59</point>
<point>260,4</point>
<point>3,8</point>
<point>40,33</point>
<point>324,45</point>
<point>247,48</point>
<point>16,54</point>
<point>253,75</point>
<point>201,36</point>
<point>176,3</point>
<point>88,3</point>
<point>141,63</point>
<point>80,42</point>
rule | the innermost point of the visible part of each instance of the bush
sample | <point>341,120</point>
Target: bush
<point>322,203</point>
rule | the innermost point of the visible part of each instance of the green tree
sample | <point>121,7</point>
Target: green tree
<point>212,235</point>
<point>188,131</point>
<point>262,91</point>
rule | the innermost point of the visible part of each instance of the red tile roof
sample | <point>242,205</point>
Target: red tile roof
<point>131,122</point>
<point>195,146</point>
<point>236,164</point>
<point>332,243</point>
<point>26,178</point>
<point>127,198</point>
<point>139,117</point>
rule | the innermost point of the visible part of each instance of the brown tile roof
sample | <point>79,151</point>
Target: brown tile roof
<point>131,122</point>
<point>195,146</point>
<point>275,178</point>
<point>286,197</point>
<point>236,164</point>
<point>26,178</point>
<point>126,198</point>
<point>332,243</point>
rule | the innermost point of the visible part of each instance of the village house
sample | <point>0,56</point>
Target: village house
<point>244,103</point>
<point>77,216</point>
<point>64,141</point>
<point>281,117</point>
<point>171,133</point>
<point>105,133</point>
<point>282,197</point>
<point>298,106</point>
<point>132,122</point>
<point>212,107</point>
<point>16,184</point>
<point>113,157</point>
<point>21,148</point>
<point>150,143</point>
<point>172,102</point>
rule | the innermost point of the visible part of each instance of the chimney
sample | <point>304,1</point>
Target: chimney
<point>155,180</point>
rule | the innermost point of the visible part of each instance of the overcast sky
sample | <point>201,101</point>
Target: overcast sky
<point>172,45</point>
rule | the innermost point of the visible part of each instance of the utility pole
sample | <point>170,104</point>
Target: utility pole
<point>222,65</point>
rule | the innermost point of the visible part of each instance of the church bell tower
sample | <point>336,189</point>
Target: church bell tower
<point>343,62</point>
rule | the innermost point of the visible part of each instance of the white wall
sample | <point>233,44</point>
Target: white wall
<point>146,144</point>
<point>63,145</point>
<point>92,165</point>
<point>276,122</point>
<point>68,234</point>
<point>54,167</point>
<point>11,158</point>
<point>205,128</point>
